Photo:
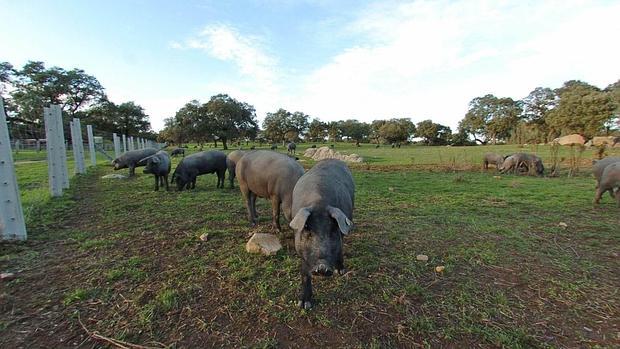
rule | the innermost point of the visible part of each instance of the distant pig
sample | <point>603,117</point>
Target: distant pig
<point>609,181</point>
<point>159,166</point>
<point>231,162</point>
<point>178,151</point>
<point>492,158</point>
<point>523,161</point>
<point>323,201</point>
<point>198,164</point>
<point>271,175</point>
<point>290,148</point>
<point>131,159</point>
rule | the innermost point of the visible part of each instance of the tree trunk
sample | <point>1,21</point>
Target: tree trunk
<point>224,143</point>
<point>215,143</point>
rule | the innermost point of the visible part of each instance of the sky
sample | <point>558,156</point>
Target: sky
<point>332,60</point>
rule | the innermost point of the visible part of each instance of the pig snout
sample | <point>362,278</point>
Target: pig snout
<point>323,268</point>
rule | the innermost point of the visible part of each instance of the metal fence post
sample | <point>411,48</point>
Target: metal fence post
<point>91,145</point>
<point>12,224</point>
<point>54,165</point>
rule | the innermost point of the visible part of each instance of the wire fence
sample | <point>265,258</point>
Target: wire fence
<point>56,144</point>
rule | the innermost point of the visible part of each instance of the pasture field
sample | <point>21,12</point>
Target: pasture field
<point>114,259</point>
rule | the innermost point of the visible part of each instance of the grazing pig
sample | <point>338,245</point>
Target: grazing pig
<point>231,162</point>
<point>523,161</point>
<point>274,147</point>
<point>492,158</point>
<point>178,151</point>
<point>268,174</point>
<point>290,148</point>
<point>198,164</point>
<point>323,201</point>
<point>598,168</point>
<point>159,166</point>
<point>130,159</point>
<point>609,181</point>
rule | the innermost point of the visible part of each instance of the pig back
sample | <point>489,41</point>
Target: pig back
<point>329,182</point>
<point>205,162</point>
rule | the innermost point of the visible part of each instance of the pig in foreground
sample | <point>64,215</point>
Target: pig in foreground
<point>492,158</point>
<point>178,151</point>
<point>198,164</point>
<point>159,166</point>
<point>131,159</point>
<point>525,161</point>
<point>271,175</point>
<point>290,148</point>
<point>609,181</point>
<point>231,163</point>
<point>323,201</point>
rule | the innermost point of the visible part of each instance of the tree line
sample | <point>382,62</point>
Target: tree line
<point>27,90</point>
<point>576,107</point>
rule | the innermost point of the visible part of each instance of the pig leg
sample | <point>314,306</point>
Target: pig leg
<point>597,196</point>
<point>156,183</point>
<point>132,171</point>
<point>340,269</point>
<point>253,205</point>
<point>275,213</point>
<point>193,182</point>
<point>166,181</point>
<point>222,179</point>
<point>305,299</point>
<point>247,196</point>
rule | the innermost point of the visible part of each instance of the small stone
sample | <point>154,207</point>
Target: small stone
<point>563,225</point>
<point>7,276</point>
<point>267,244</point>
<point>204,237</point>
<point>440,268</point>
<point>422,257</point>
<point>497,177</point>
<point>114,176</point>
<point>391,188</point>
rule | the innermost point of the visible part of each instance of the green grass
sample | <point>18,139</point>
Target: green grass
<point>129,259</point>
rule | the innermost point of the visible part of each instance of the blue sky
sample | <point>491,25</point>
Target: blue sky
<point>330,59</point>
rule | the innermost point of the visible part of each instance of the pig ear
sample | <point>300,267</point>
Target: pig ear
<point>299,221</point>
<point>344,223</point>
<point>143,161</point>
<point>155,160</point>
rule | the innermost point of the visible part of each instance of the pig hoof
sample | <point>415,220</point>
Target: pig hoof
<point>341,271</point>
<point>307,305</point>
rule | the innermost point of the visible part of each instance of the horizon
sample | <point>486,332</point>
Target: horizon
<point>333,61</point>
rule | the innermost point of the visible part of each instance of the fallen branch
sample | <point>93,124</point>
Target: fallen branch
<point>116,342</point>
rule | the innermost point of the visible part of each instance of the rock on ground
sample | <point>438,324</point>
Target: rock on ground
<point>570,139</point>
<point>267,244</point>
<point>327,153</point>
<point>114,176</point>
<point>610,141</point>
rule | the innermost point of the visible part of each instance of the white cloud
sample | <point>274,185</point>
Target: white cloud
<point>429,58</point>
<point>425,59</point>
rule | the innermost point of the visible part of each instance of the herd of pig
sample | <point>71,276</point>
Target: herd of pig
<point>317,203</point>
<point>606,171</point>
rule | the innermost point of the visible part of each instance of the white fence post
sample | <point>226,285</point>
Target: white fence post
<point>78,129</point>
<point>78,160</point>
<point>54,164</point>
<point>117,145</point>
<point>12,224</point>
<point>91,145</point>
<point>124,143</point>
<point>61,146</point>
